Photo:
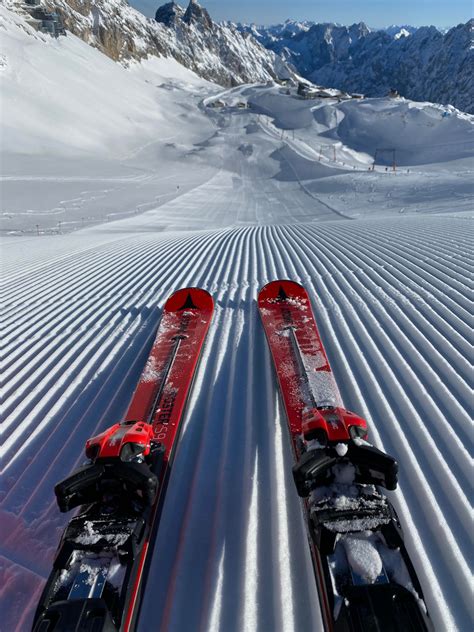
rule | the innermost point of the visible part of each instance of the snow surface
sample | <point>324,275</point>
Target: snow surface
<point>363,556</point>
<point>386,257</point>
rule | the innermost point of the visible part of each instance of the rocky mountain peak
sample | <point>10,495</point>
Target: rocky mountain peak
<point>219,52</point>
<point>169,14</point>
<point>195,14</point>
<point>359,30</point>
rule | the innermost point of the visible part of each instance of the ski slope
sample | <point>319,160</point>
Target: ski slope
<point>387,259</point>
<point>231,544</point>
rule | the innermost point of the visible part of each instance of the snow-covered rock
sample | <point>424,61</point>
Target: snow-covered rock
<point>218,52</point>
<point>277,32</point>
<point>396,31</point>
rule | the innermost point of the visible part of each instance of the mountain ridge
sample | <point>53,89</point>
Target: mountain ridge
<point>216,52</point>
<point>423,63</point>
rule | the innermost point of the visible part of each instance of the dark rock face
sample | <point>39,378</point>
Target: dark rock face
<point>197,15</point>
<point>169,14</point>
<point>112,26</point>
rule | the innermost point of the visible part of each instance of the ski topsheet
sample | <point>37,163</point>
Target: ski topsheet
<point>364,576</point>
<point>99,567</point>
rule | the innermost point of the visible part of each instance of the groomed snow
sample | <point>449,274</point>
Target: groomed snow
<point>386,257</point>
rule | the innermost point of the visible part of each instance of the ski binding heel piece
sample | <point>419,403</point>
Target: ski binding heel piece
<point>371,466</point>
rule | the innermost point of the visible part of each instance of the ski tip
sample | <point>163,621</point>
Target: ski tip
<point>281,290</point>
<point>189,298</point>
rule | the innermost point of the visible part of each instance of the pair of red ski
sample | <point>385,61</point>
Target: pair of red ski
<point>121,489</point>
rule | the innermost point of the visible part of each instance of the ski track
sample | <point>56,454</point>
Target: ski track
<point>395,321</point>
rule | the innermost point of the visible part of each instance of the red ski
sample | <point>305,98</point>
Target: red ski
<point>99,569</point>
<point>354,534</point>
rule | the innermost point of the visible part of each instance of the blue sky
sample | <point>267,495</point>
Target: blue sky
<point>375,13</point>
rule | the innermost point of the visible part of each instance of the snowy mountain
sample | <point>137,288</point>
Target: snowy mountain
<point>421,63</point>
<point>219,53</point>
<point>396,31</point>
<point>277,32</point>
